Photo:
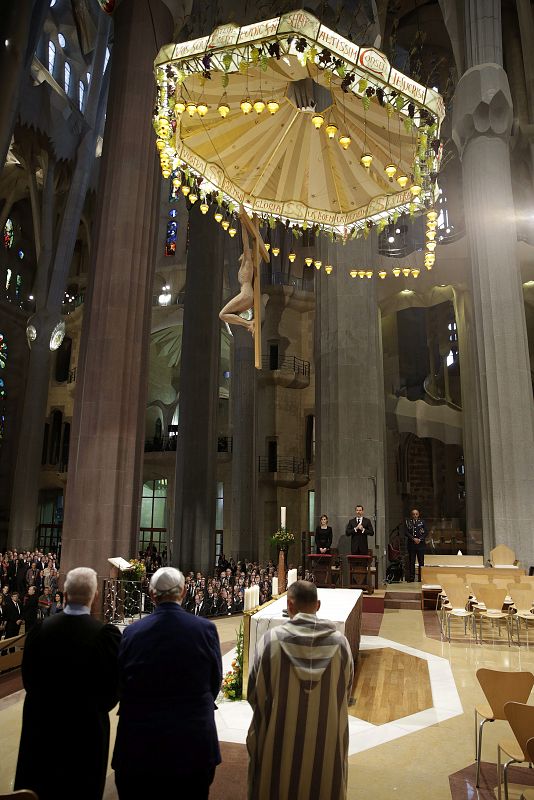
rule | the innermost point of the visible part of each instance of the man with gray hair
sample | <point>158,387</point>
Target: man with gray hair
<point>170,671</point>
<point>73,658</point>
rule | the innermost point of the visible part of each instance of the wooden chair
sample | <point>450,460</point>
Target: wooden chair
<point>492,597</point>
<point>528,794</point>
<point>442,600</point>
<point>523,600</point>
<point>20,794</point>
<point>499,688</point>
<point>458,597</point>
<point>502,555</point>
<point>521,719</point>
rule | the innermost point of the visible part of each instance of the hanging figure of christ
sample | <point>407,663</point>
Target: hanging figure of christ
<point>244,301</point>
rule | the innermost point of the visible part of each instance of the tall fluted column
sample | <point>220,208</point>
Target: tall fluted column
<point>196,454</point>
<point>350,427</point>
<point>106,457</point>
<point>481,128</point>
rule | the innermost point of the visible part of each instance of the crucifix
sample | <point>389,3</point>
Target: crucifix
<point>249,280</point>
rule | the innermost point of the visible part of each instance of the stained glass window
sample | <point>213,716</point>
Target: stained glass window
<point>8,278</point>
<point>67,77</point>
<point>61,40</point>
<point>172,232</point>
<point>18,286</point>
<point>8,234</point>
<point>2,426</point>
<point>51,57</point>
<point>81,96</point>
<point>2,388</point>
<point>3,351</point>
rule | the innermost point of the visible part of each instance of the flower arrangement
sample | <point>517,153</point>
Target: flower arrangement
<point>137,573</point>
<point>232,685</point>
<point>283,537</point>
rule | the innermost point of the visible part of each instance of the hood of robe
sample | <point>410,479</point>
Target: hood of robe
<point>309,646</point>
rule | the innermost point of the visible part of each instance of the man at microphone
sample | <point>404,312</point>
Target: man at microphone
<point>359,528</point>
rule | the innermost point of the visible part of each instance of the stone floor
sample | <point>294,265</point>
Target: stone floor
<point>431,759</point>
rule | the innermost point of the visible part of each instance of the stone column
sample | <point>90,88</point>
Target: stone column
<point>106,456</point>
<point>196,453</point>
<point>481,129</point>
<point>350,427</point>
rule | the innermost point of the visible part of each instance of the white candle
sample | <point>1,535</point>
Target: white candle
<point>275,586</point>
<point>256,596</point>
<point>291,576</point>
<point>247,599</point>
<point>283,510</point>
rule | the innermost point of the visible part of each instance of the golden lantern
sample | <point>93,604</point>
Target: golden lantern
<point>431,235</point>
<point>317,121</point>
<point>191,109</point>
<point>369,273</point>
<point>415,189</point>
<point>308,261</point>
<point>331,130</point>
<point>276,250</point>
<point>353,273</point>
<point>193,198</point>
<point>431,226</point>
<point>366,160</point>
<point>223,109</point>
<point>267,246</point>
<point>390,170</point>
<point>204,207</point>
<point>345,141</point>
<point>246,106</point>
<point>431,246</point>
<point>179,107</point>
<point>328,269</point>
<point>432,215</point>
<point>225,224</point>
<point>292,257</point>
<point>273,106</point>
<point>202,109</point>
<point>361,273</point>
<point>396,271</point>
<point>402,180</point>
<point>166,173</point>
<point>176,182</point>
<point>430,258</point>
<point>217,216</point>
<point>232,231</point>
<point>382,274</point>
<point>186,189</point>
<point>317,264</point>
<point>406,271</point>
<point>160,144</point>
<point>415,272</point>
<point>259,106</point>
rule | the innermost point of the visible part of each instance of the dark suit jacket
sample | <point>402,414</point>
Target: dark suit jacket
<point>74,660</point>
<point>323,537</point>
<point>415,529</point>
<point>170,674</point>
<point>358,543</point>
<point>11,617</point>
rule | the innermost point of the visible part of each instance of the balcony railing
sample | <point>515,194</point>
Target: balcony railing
<point>283,279</point>
<point>287,364</point>
<point>296,466</point>
<point>168,443</point>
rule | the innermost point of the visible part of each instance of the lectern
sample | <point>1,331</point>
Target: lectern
<point>320,565</point>
<point>360,573</point>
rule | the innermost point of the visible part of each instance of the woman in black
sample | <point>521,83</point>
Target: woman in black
<point>323,536</point>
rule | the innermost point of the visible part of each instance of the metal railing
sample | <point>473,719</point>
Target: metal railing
<point>169,443</point>
<point>125,600</point>
<point>283,279</point>
<point>298,466</point>
<point>287,364</point>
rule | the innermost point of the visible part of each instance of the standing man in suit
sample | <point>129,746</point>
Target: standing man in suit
<point>73,657</point>
<point>415,532</point>
<point>13,613</point>
<point>359,528</point>
<point>179,654</point>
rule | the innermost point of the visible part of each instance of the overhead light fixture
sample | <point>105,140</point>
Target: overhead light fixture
<point>432,215</point>
<point>246,106</point>
<point>369,273</point>
<point>225,224</point>
<point>308,261</point>
<point>179,106</point>
<point>232,231</point>
<point>430,258</point>
<point>223,109</point>
<point>176,181</point>
<point>204,207</point>
<point>402,180</point>
<point>160,144</point>
<point>331,130</point>
<point>317,264</point>
<point>361,273</point>
<point>415,272</point>
<point>218,216</point>
<point>292,257</point>
<point>202,109</point>
<point>431,235</point>
<point>328,269</point>
<point>276,250</point>
<point>191,109</point>
<point>390,170</point>
<point>317,121</point>
<point>259,106</point>
<point>353,273</point>
<point>273,106</point>
<point>345,141</point>
<point>267,246</point>
<point>431,246</point>
<point>396,271</point>
<point>186,189</point>
<point>193,198</point>
<point>415,189</point>
<point>382,274</point>
<point>431,226</point>
<point>366,160</point>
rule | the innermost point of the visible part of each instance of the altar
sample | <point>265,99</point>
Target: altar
<point>343,607</point>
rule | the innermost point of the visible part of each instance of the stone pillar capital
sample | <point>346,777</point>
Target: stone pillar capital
<point>482,105</point>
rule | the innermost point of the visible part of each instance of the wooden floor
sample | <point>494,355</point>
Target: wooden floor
<point>390,685</point>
